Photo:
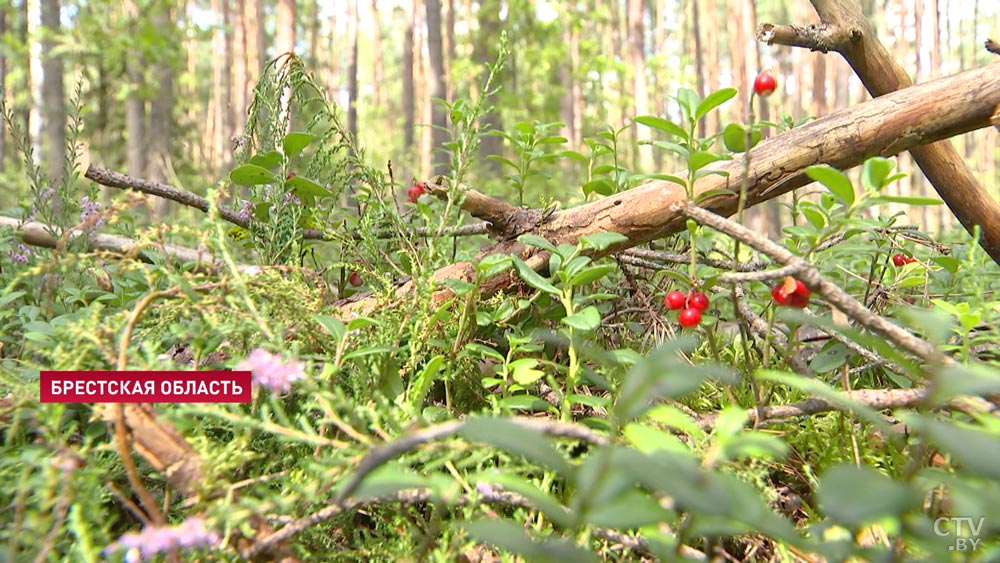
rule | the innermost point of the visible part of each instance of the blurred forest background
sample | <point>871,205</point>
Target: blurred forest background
<point>163,85</point>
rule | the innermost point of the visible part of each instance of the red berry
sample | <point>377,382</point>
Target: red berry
<point>764,84</point>
<point>355,279</point>
<point>698,300</point>
<point>674,300</point>
<point>291,175</point>
<point>414,193</point>
<point>899,260</point>
<point>791,292</point>
<point>689,317</point>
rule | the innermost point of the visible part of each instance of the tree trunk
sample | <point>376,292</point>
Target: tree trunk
<point>699,61</point>
<point>135,107</point>
<point>161,111</point>
<point>637,62</point>
<point>737,51</point>
<point>254,36</point>
<point>378,66</point>
<point>3,82</point>
<point>409,111</point>
<point>436,83</point>
<point>352,68</point>
<point>713,119</point>
<point>238,62</point>
<point>221,91</point>
<point>484,53</point>
<point>284,31</point>
<point>53,91</point>
<point>284,42</point>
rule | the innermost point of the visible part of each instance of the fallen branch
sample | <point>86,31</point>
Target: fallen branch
<point>846,30</point>
<point>884,126</point>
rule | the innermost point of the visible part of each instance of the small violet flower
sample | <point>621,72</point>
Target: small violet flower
<point>140,546</point>
<point>244,213</point>
<point>20,253</point>
<point>89,209</point>
<point>269,370</point>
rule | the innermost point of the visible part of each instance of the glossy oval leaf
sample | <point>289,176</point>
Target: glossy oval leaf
<point>251,175</point>
<point>662,124</point>
<point>714,100</point>
<point>834,180</point>
<point>532,277</point>
<point>306,187</point>
<point>294,143</point>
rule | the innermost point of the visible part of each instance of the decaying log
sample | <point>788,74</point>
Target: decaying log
<point>884,126</point>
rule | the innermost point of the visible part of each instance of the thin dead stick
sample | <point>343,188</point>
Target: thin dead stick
<point>810,276</point>
<point>112,179</point>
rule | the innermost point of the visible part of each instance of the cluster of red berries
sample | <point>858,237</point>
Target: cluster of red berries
<point>764,84</point>
<point>692,304</point>
<point>791,292</point>
<point>415,191</point>
<point>901,260</point>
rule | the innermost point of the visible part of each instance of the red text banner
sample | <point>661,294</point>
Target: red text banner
<point>145,387</point>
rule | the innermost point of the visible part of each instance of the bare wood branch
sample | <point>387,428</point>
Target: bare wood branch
<point>886,125</point>
<point>882,75</point>
<point>817,37</point>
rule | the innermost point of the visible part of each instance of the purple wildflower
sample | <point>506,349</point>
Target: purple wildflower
<point>290,198</point>
<point>244,213</point>
<point>88,210</point>
<point>269,370</point>
<point>20,253</point>
<point>140,546</point>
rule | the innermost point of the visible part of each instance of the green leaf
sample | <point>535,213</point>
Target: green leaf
<point>523,371</point>
<point>493,264</point>
<point>661,124</point>
<point>585,320</point>
<point>512,537</point>
<point>332,325</point>
<point>910,200</point>
<point>812,214</point>
<point>294,143</point>
<point>600,186</point>
<point>539,499</point>
<point>529,403</point>
<point>422,383</point>
<point>702,159</point>
<point>251,175</point>
<point>591,274</point>
<point>305,187</point>
<point>269,160</point>
<point>714,100</point>
<point>834,180</point>
<point>516,439</point>
<point>734,137</point>
<point>532,277</point>
<point>537,241</point>
<point>388,480</point>
<point>601,241</point>
<point>630,509</point>
<point>359,323</point>
<point>976,450</point>
<point>855,496</point>
<point>972,379</point>
<point>715,192</point>
<point>874,173</point>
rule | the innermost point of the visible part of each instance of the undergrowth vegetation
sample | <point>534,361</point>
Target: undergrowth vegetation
<point>567,419</point>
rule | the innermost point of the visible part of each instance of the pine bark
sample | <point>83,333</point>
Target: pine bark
<point>53,91</point>
<point>436,83</point>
